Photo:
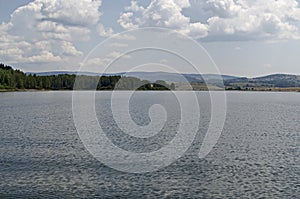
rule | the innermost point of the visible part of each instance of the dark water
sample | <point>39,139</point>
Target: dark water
<point>257,155</point>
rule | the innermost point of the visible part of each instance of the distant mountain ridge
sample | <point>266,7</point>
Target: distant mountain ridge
<point>274,80</point>
<point>150,76</point>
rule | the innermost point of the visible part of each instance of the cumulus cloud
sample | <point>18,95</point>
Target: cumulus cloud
<point>223,8</point>
<point>45,30</point>
<point>134,7</point>
<point>44,56</point>
<point>256,20</point>
<point>69,49</point>
<point>162,13</point>
<point>59,18</point>
<point>76,13</point>
<point>126,21</point>
<point>103,31</point>
<point>219,19</point>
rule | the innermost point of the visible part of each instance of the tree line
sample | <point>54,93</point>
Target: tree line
<point>12,79</point>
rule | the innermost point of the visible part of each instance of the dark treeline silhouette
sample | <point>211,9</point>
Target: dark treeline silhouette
<point>18,80</point>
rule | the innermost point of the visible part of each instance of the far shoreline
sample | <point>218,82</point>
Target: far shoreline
<point>280,90</point>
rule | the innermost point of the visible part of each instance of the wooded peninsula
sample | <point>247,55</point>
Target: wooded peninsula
<point>16,80</point>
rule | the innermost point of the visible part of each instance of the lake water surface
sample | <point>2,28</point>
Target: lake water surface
<point>257,155</point>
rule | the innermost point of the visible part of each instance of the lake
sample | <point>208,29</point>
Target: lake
<point>257,155</point>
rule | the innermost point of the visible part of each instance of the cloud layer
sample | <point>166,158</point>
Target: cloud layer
<point>53,31</point>
<point>219,19</point>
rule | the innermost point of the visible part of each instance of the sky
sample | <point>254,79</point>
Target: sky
<point>243,37</point>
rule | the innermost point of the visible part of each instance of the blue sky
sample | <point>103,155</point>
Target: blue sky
<point>243,37</point>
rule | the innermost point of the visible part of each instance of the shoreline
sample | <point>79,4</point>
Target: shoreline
<point>296,90</point>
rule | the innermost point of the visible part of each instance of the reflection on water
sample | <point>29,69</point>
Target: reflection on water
<point>257,155</point>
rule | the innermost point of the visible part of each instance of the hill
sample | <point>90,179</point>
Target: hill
<point>269,81</point>
<point>11,79</point>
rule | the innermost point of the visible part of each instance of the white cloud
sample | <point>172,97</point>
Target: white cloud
<point>224,8</point>
<point>118,45</point>
<point>126,22</point>
<point>11,55</point>
<point>44,56</point>
<point>103,31</point>
<point>55,30</point>
<point>17,55</point>
<point>219,19</point>
<point>69,49</point>
<point>162,13</point>
<point>101,62</point>
<point>71,12</point>
<point>134,7</point>
<point>55,19</point>
<point>45,30</point>
<point>267,20</point>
